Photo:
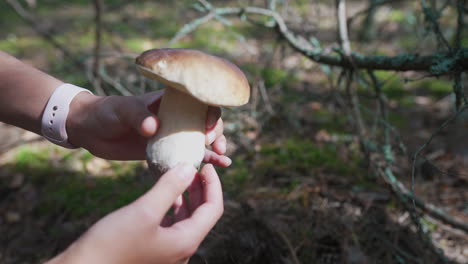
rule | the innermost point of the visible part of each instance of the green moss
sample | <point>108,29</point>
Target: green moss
<point>237,176</point>
<point>78,196</point>
<point>210,37</point>
<point>407,101</point>
<point>9,45</point>
<point>126,168</point>
<point>28,158</point>
<point>329,120</point>
<point>392,85</point>
<point>70,193</point>
<point>428,225</point>
<point>290,186</point>
<point>398,120</point>
<point>396,16</point>
<point>435,87</point>
<point>464,42</point>
<point>160,28</point>
<point>247,30</point>
<point>272,76</point>
<point>408,43</point>
<point>392,204</point>
<point>402,17</point>
<point>19,46</point>
<point>135,44</point>
<point>86,157</point>
<point>365,183</point>
<point>304,155</point>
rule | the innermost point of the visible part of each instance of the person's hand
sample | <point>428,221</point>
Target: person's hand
<point>118,127</point>
<point>142,232</point>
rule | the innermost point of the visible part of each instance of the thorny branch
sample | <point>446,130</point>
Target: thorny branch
<point>437,64</point>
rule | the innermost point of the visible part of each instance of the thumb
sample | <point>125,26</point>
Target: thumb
<point>134,113</point>
<point>159,199</point>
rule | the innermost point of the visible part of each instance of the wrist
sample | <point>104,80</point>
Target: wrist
<point>80,108</point>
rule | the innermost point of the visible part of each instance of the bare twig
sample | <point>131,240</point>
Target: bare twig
<point>142,82</point>
<point>374,4</point>
<point>187,29</point>
<point>354,105</point>
<point>115,84</point>
<point>381,100</point>
<point>432,17</point>
<point>266,99</point>
<point>32,21</point>
<point>435,133</point>
<point>428,208</point>
<point>459,90</point>
<point>460,23</point>
<point>205,4</point>
<point>343,28</point>
<point>391,129</point>
<point>96,81</point>
<point>285,239</point>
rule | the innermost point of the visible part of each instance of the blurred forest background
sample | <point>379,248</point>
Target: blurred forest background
<point>352,149</point>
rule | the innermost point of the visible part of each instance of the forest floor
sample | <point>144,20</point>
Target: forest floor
<point>299,191</point>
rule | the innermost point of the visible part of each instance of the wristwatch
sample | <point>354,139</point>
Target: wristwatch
<point>54,118</point>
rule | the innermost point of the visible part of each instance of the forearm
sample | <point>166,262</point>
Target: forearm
<point>24,93</point>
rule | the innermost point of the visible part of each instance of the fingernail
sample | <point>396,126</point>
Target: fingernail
<point>178,202</point>
<point>149,126</point>
<point>211,136</point>
<point>185,170</point>
<point>222,147</point>
<point>227,160</point>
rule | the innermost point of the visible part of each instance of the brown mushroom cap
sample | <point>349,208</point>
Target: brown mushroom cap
<point>210,79</point>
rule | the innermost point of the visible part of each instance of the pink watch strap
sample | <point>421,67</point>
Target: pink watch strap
<point>54,119</point>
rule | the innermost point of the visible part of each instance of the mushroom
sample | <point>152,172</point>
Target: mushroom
<point>194,81</point>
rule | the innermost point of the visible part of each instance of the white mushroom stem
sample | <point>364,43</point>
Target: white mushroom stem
<point>181,135</point>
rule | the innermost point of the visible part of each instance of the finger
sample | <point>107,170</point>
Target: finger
<point>132,112</point>
<point>195,192</point>
<point>129,148</point>
<point>212,116</point>
<point>167,221</point>
<point>216,159</point>
<point>181,210</point>
<point>219,145</point>
<point>149,126</point>
<point>215,132</point>
<point>206,215</point>
<point>159,199</point>
<point>153,100</point>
